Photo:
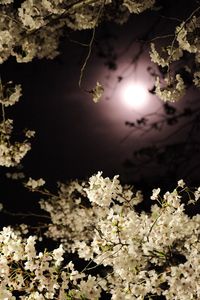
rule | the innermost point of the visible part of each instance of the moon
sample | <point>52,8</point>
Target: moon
<point>135,95</point>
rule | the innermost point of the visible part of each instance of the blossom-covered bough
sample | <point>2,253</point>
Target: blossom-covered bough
<point>26,274</point>
<point>28,29</point>
<point>185,41</point>
<point>33,29</point>
<point>11,153</point>
<point>141,255</point>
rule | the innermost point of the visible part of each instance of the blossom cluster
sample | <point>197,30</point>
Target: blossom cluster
<point>34,28</point>
<point>150,254</point>
<point>97,92</point>
<point>35,184</point>
<point>186,40</point>
<point>9,95</point>
<point>173,88</point>
<point>11,153</point>
<point>26,274</point>
<point>138,6</point>
<point>102,190</point>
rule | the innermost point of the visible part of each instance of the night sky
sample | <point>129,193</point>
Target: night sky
<point>75,137</point>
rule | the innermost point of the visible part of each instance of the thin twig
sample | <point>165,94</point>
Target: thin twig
<point>90,45</point>
<point>87,58</point>
<point>2,106</point>
<point>26,214</point>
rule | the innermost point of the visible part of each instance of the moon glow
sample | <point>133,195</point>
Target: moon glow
<point>134,95</point>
